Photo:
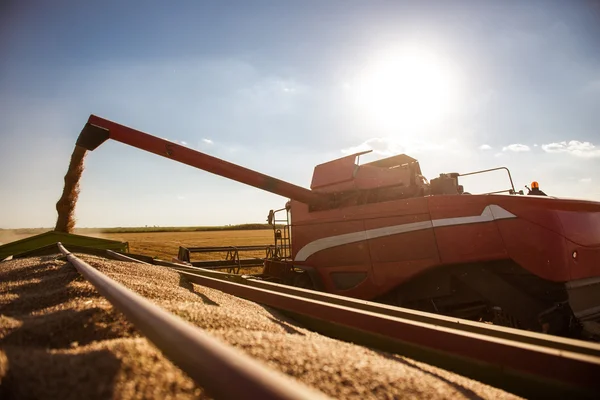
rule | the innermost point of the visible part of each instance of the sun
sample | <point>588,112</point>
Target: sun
<point>406,89</point>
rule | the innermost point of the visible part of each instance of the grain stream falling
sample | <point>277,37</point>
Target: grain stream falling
<point>66,205</point>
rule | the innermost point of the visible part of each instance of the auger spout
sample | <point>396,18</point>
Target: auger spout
<point>97,130</point>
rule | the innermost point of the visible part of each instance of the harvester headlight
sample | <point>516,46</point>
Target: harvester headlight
<point>574,255</point>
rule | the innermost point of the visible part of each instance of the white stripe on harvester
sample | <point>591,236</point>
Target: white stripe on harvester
<point>490,213</point>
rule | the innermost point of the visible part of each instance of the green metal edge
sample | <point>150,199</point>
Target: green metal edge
<point>52,237</point>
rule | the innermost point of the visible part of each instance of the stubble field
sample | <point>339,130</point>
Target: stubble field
<point>165,245</point>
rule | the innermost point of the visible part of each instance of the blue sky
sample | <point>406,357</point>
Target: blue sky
<point>282,86</point>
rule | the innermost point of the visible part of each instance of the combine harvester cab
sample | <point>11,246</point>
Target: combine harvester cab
<point>381,231</point>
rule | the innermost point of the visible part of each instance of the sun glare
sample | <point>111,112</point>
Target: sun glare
<point>408,89</point>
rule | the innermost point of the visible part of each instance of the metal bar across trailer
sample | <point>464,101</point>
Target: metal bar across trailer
<point>212,364</point>
<point>522,368</point>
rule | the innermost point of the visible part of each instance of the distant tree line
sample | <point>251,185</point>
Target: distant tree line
<point>83,231</point>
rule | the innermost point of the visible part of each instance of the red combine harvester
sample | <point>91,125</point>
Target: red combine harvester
<point>380,231</point>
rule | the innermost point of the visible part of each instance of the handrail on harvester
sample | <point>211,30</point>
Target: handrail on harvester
<point>97,130</point>
<point>511,191</point>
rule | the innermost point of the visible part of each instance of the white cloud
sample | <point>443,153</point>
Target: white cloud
<point>517,147</point>
<point>180,197</point>
<point>555,147</point>
<point>388,146</point>
<point>574,147</point>
<point>183,142</point>
<point>208,141</point>
<point>485,147</point>
<point>498,155</point>
<point>383,146</point>
<point>585,180</point>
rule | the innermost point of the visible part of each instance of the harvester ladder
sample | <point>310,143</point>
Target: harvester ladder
<point>282,235</point>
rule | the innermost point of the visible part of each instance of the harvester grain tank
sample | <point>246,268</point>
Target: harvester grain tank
<point>381,231</point>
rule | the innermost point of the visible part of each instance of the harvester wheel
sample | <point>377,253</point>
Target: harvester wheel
<point>303,280</point>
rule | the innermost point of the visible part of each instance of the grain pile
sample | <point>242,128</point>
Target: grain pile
<point>60,339</point>
<point>66,204</point>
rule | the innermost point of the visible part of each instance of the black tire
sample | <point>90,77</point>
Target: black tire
<point>303,280</point>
